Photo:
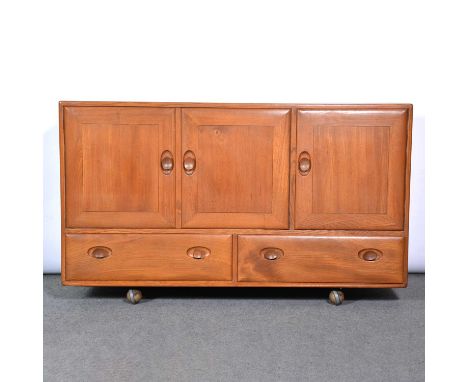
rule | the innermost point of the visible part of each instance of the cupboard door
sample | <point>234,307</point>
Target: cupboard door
<point>235,168</point>
<point>114,176</point>
<point>350,172</point>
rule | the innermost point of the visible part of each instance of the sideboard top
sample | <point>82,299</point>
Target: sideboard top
<point>237,105</point>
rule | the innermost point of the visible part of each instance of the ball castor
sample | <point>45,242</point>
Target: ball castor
<point>134,296</point>
<point>336,297</point>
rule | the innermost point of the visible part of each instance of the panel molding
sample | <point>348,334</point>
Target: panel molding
<point>160,212</point>
<point>193,120</point>
<point>389,218</point>
<point>153,205</point>
<point>392,223</point>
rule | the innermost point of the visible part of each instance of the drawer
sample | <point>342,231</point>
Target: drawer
<point>150,257</point>
<point>314,259</point>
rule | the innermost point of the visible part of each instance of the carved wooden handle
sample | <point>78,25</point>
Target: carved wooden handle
<point>190,162</point>
<point>304,163</point>
<point>198,253</point>
<point>167,162</point>
<point>370,254</point>
<point>99,252</point>
<point>271,253</point>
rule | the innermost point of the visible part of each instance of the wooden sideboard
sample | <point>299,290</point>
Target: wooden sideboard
<point>198,194</point>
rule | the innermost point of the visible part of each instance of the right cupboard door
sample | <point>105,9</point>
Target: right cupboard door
<point>350,171</point>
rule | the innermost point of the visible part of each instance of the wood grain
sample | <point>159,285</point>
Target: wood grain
<point>292,167</point>
<point>62,190</point>
<point>178,167</point>
<point>320,259</point>
<point>148,257</point>
<point>409,146</point>
<point>112,159</point>
<point>248,194</point>
<point>231,284</point>
<point>239,231</point>
<point>357,179</point>
<point>381,106</point>
<point>241,176</point>
<point>234,257</point>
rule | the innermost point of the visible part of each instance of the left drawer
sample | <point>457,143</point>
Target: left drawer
<point>148,257</point>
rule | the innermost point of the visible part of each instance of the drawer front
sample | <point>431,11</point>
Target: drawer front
<point>140,257</point>
<point>320,259</point>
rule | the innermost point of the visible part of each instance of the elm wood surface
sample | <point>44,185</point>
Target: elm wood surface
<point>240,174</point>
<point>177,109</point>
<point>407,183</point>
<point>356,178</point>
<point>113,167</point>
<point>292,163</point>
<point>149,257</point>
<point>320,259</point>
<point>239,231</point>
<point>232,105</point>
<point>178,168</point>
<point>229,284</point>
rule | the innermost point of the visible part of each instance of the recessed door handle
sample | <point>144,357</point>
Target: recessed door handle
<point>198,253</point>
<point>167,162</point>
<point>304,163</point>
<point>370,254</point>
<point>99,252</point>
<point>271,253</point>
<point>190,163</point>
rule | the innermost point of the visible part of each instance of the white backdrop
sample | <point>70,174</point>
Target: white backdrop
<point>251,51</point>
<point>237,52</point>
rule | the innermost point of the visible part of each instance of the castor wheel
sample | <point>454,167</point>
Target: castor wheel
<point>134,296</point>
<point>336,297</point>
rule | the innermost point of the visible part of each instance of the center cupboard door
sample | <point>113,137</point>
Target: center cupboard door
<point>118,164</point>
<point>351,168</point>
<point>235,168</point>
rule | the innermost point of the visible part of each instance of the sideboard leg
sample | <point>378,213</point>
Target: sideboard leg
<point>134,296</point>
<point>336,297</point>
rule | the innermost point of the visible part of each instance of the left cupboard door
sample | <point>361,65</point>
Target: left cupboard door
<point>119,167</point>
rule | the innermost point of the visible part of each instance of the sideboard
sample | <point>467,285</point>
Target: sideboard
<point>235,195</point>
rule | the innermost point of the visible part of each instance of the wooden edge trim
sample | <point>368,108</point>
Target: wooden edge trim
<point>91,283</point>
<point>253,231</point>
<point>235,105</point>
<point>62,188</point>
<point>407,189</point>
<point>178,169</point>
<point>235,265</point>
<point>408,167</point>
<point>292,168</point>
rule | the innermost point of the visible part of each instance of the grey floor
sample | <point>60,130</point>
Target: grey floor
<point>93,334</point>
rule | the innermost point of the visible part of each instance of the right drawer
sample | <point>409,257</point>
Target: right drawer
<point>324,259</point>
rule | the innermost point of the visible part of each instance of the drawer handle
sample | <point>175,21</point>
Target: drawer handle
<point>271,253</point>
<point>370,254</point>
<point>190,162</point>
<point>198,253</point>
<point>99,252</point>
<point>167,162</point>
<point>304,163</point>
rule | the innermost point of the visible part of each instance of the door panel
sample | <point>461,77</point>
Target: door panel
<point>357,169</point>
<point>113,167</point>
<point>241,172</point>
